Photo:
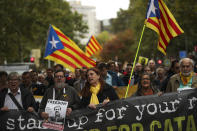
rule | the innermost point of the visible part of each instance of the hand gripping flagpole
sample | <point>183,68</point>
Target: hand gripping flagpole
<point>135,61</point>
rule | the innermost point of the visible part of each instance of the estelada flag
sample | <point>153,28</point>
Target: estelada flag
<point>160,19</point>
<point>92,47</point>
<point>62,50</point>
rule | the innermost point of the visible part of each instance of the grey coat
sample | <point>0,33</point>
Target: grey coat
<point>70,95</point>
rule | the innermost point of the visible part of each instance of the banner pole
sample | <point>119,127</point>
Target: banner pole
<point>135,60</point>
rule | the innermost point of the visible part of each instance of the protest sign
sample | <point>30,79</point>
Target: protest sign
<point>171,111</point>
<point>57,113</point>
<point>143,60</point>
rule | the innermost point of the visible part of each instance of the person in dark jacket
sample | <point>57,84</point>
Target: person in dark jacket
<point>60,91</point>
<point>23,96</point>
<point>3,80</point>
<point>127,74</point>
<point>174,69</point>
<point>79,84</point>
<point>96,91</point>
<point>49,78</point>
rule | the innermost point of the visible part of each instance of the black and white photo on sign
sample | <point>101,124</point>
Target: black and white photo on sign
<point>56,110</point>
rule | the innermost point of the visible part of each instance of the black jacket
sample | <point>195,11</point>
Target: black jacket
<point>26,97</point>
<point>107,92</point>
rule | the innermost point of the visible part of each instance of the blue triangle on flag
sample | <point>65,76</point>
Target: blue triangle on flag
<point>153,9</point>
<point>53,42</point>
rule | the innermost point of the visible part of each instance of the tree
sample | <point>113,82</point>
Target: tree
<point>25,26</point>
<point>121,45</point>
<point>185,13</point>
<point>103,37</point>
<point>122,21</point>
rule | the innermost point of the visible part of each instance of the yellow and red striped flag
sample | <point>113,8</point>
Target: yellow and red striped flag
<point>93,47</point>
<point>160,19</point>
<point>64,51</point>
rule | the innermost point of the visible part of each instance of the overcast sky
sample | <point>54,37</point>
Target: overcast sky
<point>106,9</point>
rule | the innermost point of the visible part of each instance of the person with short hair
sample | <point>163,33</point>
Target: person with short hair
<point>174,69</point>
<point>127,74</point>
<point>186,79</point>
<point>137,72</point>
<point>26,81</point>
<point>58,67</point>
<point>37,87</point>
<point>3,80</point>
<point>80,83</point>
<point>104,74</point>
<point>147,70</point>
<point>60,91</point>
<point>152,66</point>
<point>74,77</point>
<point>49,77</point>
<point>57,117</point>
<point>116,80</point>
<point>23,97</point>
<point>160,77</point>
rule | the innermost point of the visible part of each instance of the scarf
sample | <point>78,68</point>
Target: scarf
<point>185,79</point>
<point>94,91</point>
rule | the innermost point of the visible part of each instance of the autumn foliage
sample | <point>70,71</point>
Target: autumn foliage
<point>121,45</point>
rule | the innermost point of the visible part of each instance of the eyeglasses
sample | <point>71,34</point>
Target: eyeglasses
<point>59,76</point>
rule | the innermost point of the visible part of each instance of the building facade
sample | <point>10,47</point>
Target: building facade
<point>89,17</point>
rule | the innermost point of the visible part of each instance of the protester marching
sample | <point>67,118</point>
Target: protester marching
<point>82,95</point>
<point>82,92</point>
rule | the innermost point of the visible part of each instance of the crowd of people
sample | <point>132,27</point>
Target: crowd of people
<point>90,87</point>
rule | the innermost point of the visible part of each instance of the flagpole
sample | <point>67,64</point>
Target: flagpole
<point>135,61</point>
<point>49,62</point>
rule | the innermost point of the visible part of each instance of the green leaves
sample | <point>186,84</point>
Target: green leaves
<point>24,25</point>
<point>185,13</point>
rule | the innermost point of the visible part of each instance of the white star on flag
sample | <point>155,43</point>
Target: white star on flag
<point>151,8</point>
<point>53,43</point>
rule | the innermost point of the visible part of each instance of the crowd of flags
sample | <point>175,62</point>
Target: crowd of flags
<point>62,50</point>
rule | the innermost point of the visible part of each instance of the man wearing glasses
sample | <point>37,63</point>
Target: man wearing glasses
<point>60,91</point>
<point>15,97</point>
<point>186,79</point>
